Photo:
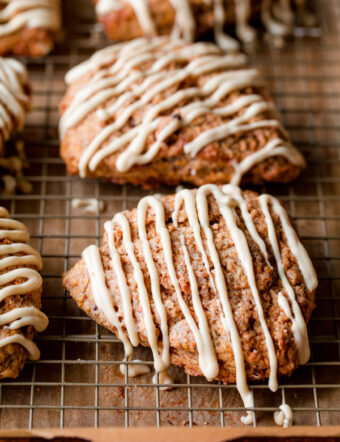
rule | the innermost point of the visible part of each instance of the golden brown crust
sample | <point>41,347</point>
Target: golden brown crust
<point>183,346</point>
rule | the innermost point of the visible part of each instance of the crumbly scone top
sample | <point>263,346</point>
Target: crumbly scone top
<point>18,263</point>
<point>233,208</point>
<point>164,86</point>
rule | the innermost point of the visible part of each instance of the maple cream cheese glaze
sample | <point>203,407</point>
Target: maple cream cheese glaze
<point>253,224</point>
<point>14,99</point>
<point>20,292</point>
<point>27,27</point>
<point>276,15</point>
<point>130,104</point>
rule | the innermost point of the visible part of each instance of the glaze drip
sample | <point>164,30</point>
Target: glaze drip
<point>276,15</point>
<point>18,14</point>
<point>284,417</point>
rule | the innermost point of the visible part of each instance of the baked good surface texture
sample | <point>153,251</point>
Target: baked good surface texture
<point>28,27</point>
<point>14,98</point>
<point>159,111</point>
<point>20,297</point>
<point>214,279</point>
<point>190,19</point>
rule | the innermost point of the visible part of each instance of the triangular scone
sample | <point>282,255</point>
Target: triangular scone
<point>20,297</point>
<point>153,112</point>
<point>214,279</point>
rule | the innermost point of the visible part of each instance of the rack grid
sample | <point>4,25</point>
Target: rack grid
<point>77,381</point>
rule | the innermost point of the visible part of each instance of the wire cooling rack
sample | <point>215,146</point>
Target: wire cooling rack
<point>77,381</point>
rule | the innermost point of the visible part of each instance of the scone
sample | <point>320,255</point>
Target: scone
<point>214,279</point>
<point>189,19</point>
<point>20,296</point>
<point>28,27</point>
<point>151,112</point>
<point>14,98</point>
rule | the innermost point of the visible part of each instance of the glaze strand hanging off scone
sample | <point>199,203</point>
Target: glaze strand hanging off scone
<point>214,279</point>
<point>153,112</point>
<point>20,297</point>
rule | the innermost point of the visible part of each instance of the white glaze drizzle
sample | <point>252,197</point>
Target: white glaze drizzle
<point>106,6</point>
<point>277,17</point>
<point>223,40</point>
<point>276,147</point>
<point>161,360</point>
<point>299,327</point>
<point>101,293</point>
<point>284,417</point>
<point>226,207</point>
<point>164,379</point>
<point>135,369</point>
<point>185,21</point>
<point>244,31</point>
<point>17,14</point>
<point>13,267</point>
<point>229,323</point>
<point>89,205</point>
<point>123,287</point>
<point>196,208</point>
<point>273,26</point>
<point>116,81</point>
<point>32,349</point>
<point>143,14</point>
<point>14,100</point>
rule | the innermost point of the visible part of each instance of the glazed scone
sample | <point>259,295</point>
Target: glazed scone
<point>28,27</point>
<point>20,296</point>
<point>189,19</point>
<point>214,279</point>
<point>151,112</point>
<point>14,98</point>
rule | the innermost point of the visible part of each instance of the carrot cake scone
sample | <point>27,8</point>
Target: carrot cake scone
<point>189,19</point>
<point>158,111</point>
<point>14,98</point>
<point>28,27</point>
<point>214,279</point>
<point>20,296</point>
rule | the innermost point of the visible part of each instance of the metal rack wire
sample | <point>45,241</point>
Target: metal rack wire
<point>77,381</point>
